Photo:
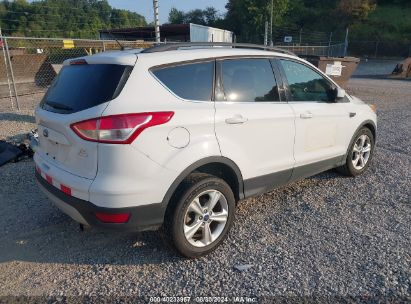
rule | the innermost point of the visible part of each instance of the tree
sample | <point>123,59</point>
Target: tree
<point>175,16</point>
<point>247,17</point>
<point>195,16</point>
<point>211,15</point>
<point>59,18</point>
<point>208,16</point>
<point>353,11</point>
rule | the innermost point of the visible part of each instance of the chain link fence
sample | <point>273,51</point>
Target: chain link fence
<point>380,49</point>
<point>29,65</point>
<point>309,43</point>
<point>336,50</point>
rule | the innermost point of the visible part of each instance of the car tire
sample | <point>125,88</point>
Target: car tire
<point>359,154</point>
<point>190,225</point>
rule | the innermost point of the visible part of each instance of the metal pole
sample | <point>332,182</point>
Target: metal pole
<point>271,23</point>
<point>266,34</point>
<point>12,74</point>
<point>346,43</point>
<point>156,21</point>
<point>301,31</point>
<point>329,43</point>
<point>376,49</point>
<point>7,69</point>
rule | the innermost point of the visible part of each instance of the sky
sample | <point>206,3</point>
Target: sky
<point>145,7</point>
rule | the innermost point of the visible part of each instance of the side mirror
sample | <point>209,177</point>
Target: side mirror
<point>340,93</point>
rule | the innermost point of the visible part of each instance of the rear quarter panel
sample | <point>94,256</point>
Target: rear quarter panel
<point>144,93</point>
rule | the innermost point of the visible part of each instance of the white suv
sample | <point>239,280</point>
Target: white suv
<point>174,136</point>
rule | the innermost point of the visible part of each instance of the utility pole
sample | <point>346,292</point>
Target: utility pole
<point>156,21</point>
<point>271,23</point>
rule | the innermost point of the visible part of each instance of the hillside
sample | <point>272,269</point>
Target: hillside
<point>386,23</point>
<point>63,18</point>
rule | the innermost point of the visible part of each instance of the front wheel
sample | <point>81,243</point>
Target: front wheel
<point>201,216</point>
<point>359,154</point>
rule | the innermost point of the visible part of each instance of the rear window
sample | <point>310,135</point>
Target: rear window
<point>189,81</point>
<point>79,87</point>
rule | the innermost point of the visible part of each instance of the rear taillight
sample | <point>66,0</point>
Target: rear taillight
<point>119,129</point>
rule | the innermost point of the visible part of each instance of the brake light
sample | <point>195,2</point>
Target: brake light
<point>78,62</point>
<point>118,218</point>
<point>119,129</point>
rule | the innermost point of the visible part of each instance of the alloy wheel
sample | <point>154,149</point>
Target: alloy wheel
<point>361,152</point>
<point>205,218</point>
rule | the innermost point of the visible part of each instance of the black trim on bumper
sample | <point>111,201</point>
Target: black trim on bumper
<point>146,217</point>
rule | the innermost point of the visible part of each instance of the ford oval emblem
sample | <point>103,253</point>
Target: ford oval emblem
<point>46,133</point>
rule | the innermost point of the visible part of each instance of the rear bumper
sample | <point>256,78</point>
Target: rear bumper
<point>145,217</point>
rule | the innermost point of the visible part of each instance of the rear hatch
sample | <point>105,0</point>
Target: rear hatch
<point>81,91</point>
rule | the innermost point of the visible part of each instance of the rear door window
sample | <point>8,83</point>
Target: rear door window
<point>192,81</point>
<point>246,80</point>
<point>79,87</point>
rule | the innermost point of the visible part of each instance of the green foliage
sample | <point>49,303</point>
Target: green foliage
<point>354,11</point>
<point>386,23</point>
<point>208,16</point>
<point>176,17</point>
<point>247,17</point>
<point>63,18</point>
<point>369,20</point>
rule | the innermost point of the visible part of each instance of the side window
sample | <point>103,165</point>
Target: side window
<point>189,81</point>
<point>248,80</point>
<point>306,84</point>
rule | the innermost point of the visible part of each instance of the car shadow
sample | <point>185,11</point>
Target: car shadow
<point>36,231</point>
<point>33,230</point>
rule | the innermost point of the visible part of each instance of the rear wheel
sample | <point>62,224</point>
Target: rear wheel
<point>359,154</point>
<point>201,216</point>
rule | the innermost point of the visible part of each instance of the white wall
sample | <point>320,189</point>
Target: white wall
<point>201,33</point>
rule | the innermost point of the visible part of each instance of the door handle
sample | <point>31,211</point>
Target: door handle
<point>306,115</point>
<point>236,119</point>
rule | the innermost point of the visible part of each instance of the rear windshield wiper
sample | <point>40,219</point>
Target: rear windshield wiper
<point>58,106</point>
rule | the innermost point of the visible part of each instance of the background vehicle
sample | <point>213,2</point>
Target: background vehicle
<point>175,136</point>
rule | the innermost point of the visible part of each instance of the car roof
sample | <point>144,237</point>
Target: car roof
<point>129,56</point>
<point>195,53</point>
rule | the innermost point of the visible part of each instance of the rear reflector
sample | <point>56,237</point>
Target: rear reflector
<point>65,189</point>
<point>119,129</point>
<point>49,179</point>
<point>113,218</point>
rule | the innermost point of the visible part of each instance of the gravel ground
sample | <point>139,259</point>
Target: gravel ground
<point>325,238</point>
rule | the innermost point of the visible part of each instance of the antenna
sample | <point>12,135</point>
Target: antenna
<point>118,42</point>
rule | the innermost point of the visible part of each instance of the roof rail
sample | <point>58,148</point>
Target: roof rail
<point>177,45</point>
